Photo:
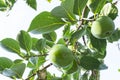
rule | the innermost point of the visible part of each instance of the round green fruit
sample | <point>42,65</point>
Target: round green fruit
<point>110,10</point>
<point>103,27</point>
<point>72,68</point>
<point>61,56</point>
<point>2,3</point>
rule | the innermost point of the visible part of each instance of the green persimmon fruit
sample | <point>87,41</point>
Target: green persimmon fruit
<point>72,69</point>
<point>60,55</point>
<point>102,27</point>
<point>2,3</point>
<point>110,10</point>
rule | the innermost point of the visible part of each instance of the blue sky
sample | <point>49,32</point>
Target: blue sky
<point>19,19</point>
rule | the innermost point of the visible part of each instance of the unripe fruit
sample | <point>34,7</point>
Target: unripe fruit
<point>102,27</point>
<point>3,5</point>
<point>110,10</point>
<point>72,69</point>
<point>60,55</point>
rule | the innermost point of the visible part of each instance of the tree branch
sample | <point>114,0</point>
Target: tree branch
<point>82,20</point>
<point>44,68</point>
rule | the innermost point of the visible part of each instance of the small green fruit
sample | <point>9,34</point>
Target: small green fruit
<point>2,3</point>
<point>103,27</point>
<point>110,10</point>
<point>60,55</point>
<point>72,69</point>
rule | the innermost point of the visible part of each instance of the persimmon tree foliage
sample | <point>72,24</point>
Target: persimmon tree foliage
<point>86,27</point>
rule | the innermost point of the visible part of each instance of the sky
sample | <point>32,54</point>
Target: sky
<point>20,17</point>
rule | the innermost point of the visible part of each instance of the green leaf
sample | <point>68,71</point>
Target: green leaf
<point>49,43</point>
<point>11,45</point>
<point>65,10</point>
<point>68,5</point>
<point>32,4</point>
<point>99,54</point>
<point>77,35</point>
<point>51,36</point>
<point>45,23</point>
<point>5,63</point>
<point>18,61</point>
<point>79,5</point>
<point>35,62</point>
<point>10,3</point>
<point>61,41</point>
<point>56,78</point>
<point>30,73</point>
<point>89,63</point>
<point>103,66</point>
<point>59,12</point>
<point>40,45</point>
<point>99,44</point>
<point>115,36</point>
<point>66,77</point>
<point>75,76</point>
<point>110,0</point>
<point>25,40</point>
<point>84,76</point>
<point>34,42</point>
<point>66,31</point>
<point>16,70</point>
<point>95,5</point>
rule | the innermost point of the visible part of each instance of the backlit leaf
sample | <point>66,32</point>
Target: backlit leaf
<point>99,44</point>
<point>11,45</point>
<point>79,5</point>
<point>115,36</point>
<point>16,70</point>
<point>5,63</point>
<point>25,40</point>
<point>89,63</point>
<point>51,36</point>
<point>32,3</point>
<point>45,23</point>
<point>65,10</point>
<point>40,45</point>
<point>96,5</point>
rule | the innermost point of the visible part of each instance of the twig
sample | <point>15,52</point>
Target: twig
<point>39,71</point>
<point>115,2</point>
<point>82,20</point>
<point>38,55</point>
<point>86,19</point>
<point>27,57</point>
<point>83,37</point>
